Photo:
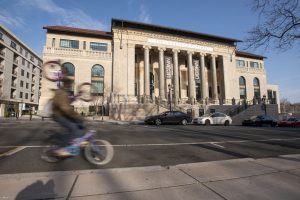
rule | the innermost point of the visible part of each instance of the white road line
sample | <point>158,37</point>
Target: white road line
<point>217,145</point>
<point>174,144</point>
<point>13,151</point>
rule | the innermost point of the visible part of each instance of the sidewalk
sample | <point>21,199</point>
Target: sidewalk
<point>240,179</point>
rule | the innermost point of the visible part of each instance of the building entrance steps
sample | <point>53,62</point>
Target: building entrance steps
<point>265,178</point>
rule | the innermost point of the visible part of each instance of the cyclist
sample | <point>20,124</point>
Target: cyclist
<point>64,114</point>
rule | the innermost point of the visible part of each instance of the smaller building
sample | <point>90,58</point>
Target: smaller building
<point>20,75</point>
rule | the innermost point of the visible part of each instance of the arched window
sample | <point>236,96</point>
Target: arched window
<point>97,71</point>
<point>256,86</point>
<point>97,76</point>
<point>242,83</point>
<point>69,69</point>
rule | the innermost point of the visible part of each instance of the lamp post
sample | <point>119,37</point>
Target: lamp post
<point>170,95</point>
<point>264,104</point>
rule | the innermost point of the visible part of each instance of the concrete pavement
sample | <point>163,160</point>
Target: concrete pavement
<point>266,178</point>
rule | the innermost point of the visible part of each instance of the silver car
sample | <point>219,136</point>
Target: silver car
<point>213,118</point>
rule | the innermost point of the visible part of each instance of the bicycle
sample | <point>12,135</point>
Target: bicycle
<point>97,152</point>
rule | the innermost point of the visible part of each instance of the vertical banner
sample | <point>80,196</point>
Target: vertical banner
<point>196,70</point>
<point>168,67</point>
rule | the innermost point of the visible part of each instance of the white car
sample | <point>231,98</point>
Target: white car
<point>213,118</point>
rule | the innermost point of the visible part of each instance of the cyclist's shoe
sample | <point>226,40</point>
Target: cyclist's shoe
<point>62,152</point>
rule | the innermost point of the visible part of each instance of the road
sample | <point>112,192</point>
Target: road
<point>143,145</point>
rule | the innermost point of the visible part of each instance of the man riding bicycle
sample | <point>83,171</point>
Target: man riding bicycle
<point>64,114</point>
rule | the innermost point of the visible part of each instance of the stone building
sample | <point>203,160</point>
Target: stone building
<point>136,67</point>
<point>20,75</point>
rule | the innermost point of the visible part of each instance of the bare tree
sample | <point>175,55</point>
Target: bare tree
<point>279,25</point>
<point>285,105</point>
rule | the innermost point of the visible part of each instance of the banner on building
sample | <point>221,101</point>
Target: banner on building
<point>196,70</point>
<point>168,67</point>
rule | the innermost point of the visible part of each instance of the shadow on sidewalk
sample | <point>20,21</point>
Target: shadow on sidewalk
<point>37,190</point>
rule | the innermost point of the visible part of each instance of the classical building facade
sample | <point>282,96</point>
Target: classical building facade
<point>20,75</point>
<point>142,64</point>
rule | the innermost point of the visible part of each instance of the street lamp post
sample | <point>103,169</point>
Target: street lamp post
<point>264,104</point>
<point>170,96</point>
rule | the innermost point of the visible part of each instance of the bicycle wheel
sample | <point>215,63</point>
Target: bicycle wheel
<point>48,156</point>
<point>99,152</point>
<point>52,70</point>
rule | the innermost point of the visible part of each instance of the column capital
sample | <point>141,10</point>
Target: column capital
<point>213,55</point>
<point>161,49</point>
<point>147,47</point>
<point>175,50</point>
<point>202,54</point>
<point>190,52</point>
<point>130,45</point>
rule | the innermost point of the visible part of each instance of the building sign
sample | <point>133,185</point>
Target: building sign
<point>180,44</point>
<point>196,70</point>
<point>168,67</point>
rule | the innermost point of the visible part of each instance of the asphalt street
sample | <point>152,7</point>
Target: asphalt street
<point>21,144</point>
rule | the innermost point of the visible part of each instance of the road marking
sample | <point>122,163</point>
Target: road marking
<point>217,145</point>
<point>13,151</point>
<point>174,144</point>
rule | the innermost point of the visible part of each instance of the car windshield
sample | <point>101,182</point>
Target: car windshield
<point>253,117</point>
<point>206,115</point>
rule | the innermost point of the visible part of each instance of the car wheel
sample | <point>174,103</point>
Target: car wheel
<point>184,122</point>
<point>226,123</point>
<point>207,122</point>
<point>157,122</point>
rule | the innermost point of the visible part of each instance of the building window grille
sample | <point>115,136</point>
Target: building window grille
<point>98,46</point>
<point>240,63</point>
<point>73,44</point>
<point>253,64</point>
<point>13,45</point>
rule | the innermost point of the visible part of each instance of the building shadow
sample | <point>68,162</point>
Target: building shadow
<point>37,190</point>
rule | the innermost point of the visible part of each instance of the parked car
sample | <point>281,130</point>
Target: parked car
<point>213,118</point>
<point>259,120</point>
<point>292,122</point>
<point>169,117</point>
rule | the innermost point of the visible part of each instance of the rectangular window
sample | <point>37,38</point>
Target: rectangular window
<point>84,45</point>
<point>53,42</point>
<point>27,85</point>
<point>21,95</point>
<point>31,58</point>
<point>97,88</point>
<point>23,61</point>
<point>27,74</point>
<point>240,63</point>
<point>253,64</point>
<point>21,50</point>
<point>74,44</point>
<point>26,54</point>
<point>13,45</point>
<point>21,83</point>
<point>26,96</point>
<point>1,36</point>
<point>98,46</point>
<point>22,72</point>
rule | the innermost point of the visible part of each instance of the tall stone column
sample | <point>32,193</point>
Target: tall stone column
<point>191,79</point>
<point>176,75</point>
<point>131,70</point>
<point>161,74</point>
<point>146,73</point>
<point>214,77</point>
<point>204,87</point>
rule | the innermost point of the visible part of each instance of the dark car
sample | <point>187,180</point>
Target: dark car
<point>292,122</point>
<point>260,120</point>
<point>169,117</point>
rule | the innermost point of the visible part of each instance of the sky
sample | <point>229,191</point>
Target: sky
<point>230,18</point>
